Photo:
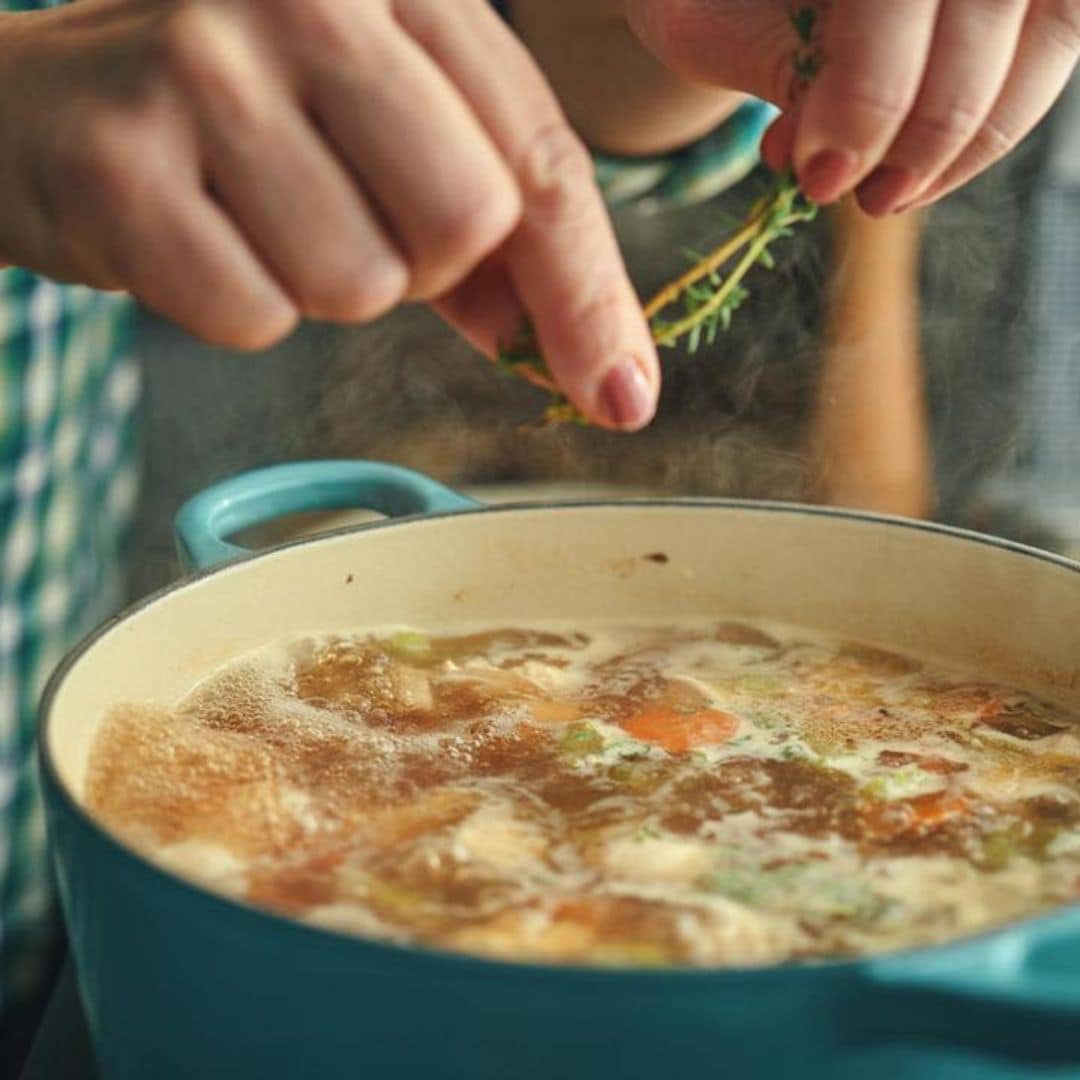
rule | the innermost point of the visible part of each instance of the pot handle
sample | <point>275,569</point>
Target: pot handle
<point>207,519</point>
<point>1020,983</point>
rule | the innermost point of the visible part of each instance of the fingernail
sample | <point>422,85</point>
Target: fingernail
<point>825,177</point>
<point>626,397</point>
<point>885,189</point>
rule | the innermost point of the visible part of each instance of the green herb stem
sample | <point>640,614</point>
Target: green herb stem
<point>708,265</point>
<point>708,299</point>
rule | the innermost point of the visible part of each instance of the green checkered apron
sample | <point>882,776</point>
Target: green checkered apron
<point>68,395</point>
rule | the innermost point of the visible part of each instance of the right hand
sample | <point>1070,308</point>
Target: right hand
<point>914,97</point>
<point>237,164</point>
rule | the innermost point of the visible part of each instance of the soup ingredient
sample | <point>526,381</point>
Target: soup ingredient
<point>713,793</point>
<point>678,732</point>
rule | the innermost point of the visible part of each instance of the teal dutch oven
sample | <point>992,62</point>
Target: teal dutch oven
<point>180,984</point>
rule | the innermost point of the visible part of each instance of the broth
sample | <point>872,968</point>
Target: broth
<point>714,794</point>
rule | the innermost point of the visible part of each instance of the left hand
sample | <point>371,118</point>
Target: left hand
<point>914,98</point>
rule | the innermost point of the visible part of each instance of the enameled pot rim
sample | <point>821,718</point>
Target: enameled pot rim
<point>463,964</point>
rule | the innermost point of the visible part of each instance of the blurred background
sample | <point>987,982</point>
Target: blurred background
<point>928,366</point>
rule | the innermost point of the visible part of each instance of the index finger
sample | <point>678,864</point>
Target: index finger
<point>874,58</point>
<point>563,259</point>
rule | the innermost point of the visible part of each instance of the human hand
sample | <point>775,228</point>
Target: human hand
<point>239,163</point>
<point>914,98</point>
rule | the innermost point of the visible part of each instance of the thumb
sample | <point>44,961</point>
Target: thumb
<point>744,45</point>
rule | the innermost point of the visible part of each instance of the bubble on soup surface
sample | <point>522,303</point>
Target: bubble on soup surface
<point>240,699</point>
<point>360,678</point>
<point>155,777</point>
<point>345,766</point>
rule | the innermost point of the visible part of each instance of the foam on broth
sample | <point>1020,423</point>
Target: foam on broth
<point>714,794</point>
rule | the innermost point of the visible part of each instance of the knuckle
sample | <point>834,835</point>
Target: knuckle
<point>871,100</point>
<point>108,165</point>
<point>243,316</point>
<point>952,123</point>
<point>200,52</point>
<point>464,236</point>
<point>186,35</point>
<point>554,170</point>
<point>597,312</point>
<point>476,229</point>
<point>91,164</point>
<point>326,29</point>
<point>994,13</point>
<point>358,294</point>
<point>1061,20</point>
<point>260,329</point>
<point>994,140</point>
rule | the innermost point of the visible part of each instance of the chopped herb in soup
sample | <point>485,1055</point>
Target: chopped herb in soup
<point>721,794</point>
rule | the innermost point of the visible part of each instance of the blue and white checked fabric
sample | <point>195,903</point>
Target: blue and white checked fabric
<point>68,396</point>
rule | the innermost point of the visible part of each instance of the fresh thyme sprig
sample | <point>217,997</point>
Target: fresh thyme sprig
<point>708,298</point>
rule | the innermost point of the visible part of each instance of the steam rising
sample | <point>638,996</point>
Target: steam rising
<point>733,418</point>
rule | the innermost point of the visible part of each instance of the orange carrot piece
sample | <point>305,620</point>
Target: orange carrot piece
<point>890,820</point>
<point>679,732</point>
<point>936,808</point>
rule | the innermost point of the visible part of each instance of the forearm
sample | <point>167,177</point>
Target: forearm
<point>869,441</point>
<point>618,95</point>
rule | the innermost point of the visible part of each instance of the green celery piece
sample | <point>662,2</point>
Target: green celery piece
<point>902,783</point>
<point>580,740</point>
<point>806,887</point>
<point>409,645</point>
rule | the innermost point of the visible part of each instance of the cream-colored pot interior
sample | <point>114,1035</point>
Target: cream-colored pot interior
<point>1006,613</point>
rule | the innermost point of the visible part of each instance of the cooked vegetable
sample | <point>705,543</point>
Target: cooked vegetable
<point>410,645</point>
<point>581,739</point>
<point>678,732</point>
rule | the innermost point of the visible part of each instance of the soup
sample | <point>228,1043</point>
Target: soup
<point>709,794</point>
